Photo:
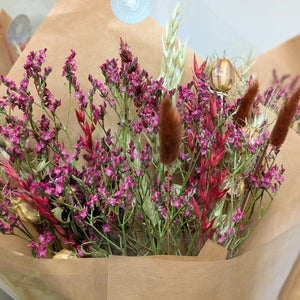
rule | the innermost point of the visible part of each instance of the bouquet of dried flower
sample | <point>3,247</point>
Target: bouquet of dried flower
<point>182,164</point>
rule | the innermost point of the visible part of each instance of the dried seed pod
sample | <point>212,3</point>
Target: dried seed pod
<point>222,75</point>
<point>64,254</point>
<point>25,211</point>
<point>237,187</point>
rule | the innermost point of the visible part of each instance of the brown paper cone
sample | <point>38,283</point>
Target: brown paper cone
<point>257,274</point>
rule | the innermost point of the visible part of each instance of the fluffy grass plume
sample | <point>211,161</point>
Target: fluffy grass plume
<point>284,120</point>
<point>170,131</point>
<point>244,110</point>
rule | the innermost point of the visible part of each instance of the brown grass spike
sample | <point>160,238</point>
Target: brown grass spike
<point>244,109</point>
<point>284,120</point>
<point>170,131</point>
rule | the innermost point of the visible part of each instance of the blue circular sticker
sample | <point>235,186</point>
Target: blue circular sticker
<point>131,11</point>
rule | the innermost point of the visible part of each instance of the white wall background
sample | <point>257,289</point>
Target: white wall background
<point>233,26</point>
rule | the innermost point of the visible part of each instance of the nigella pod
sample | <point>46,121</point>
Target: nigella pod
<point>284,120</point>
<point>170,131</point>
<point>222,75</point>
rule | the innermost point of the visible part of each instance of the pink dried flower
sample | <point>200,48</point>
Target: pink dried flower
<point>106,228</point>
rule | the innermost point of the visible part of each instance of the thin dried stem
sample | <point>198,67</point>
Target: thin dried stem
<point>168,212</point>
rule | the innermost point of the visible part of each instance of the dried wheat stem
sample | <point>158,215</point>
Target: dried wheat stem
<point>173,57</point>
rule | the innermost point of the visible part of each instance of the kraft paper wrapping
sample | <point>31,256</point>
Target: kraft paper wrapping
<point>269,264</point>
<point>284,58</point>
<point>5,61</point>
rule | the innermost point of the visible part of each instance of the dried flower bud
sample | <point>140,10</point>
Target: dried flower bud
<point>222,75</point>
<point>25,211</point>
<point>80,114</point>
<point>64,254</point>
<point>198,70</point>
<point>125,52</point>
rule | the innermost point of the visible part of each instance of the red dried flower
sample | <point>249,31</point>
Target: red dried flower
<point>125,52</point>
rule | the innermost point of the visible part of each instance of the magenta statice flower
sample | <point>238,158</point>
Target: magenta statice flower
<point>106,228</point>
<point>238,216</point>
<point>39,249</point>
